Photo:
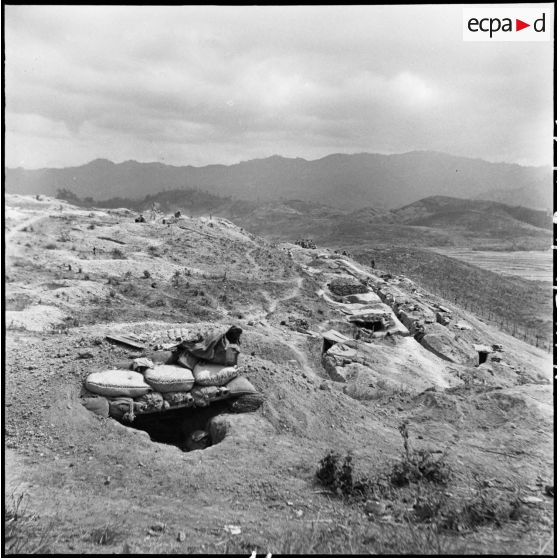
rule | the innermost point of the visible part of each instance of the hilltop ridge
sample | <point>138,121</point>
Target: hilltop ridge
<point>420,366</point>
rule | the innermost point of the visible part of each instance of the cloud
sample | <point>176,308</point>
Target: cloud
<point>221,84</point>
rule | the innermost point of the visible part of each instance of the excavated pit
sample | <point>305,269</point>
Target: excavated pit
<point>187,429</point>
<point>370,326</point>
<point>483,357</point>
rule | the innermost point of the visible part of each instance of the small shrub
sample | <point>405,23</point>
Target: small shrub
<point>157,301</point>
<point>127,275</point>
<point>146,274</point>
<point>175,280</point>
<point>117,254</point>
<point>483,508</point>
<point>13,326</point>
<point>420,465</point>
<point>64,236</point>
<point>91,226</point>
<point>129,289</point>
<point>20,536</point>
<point>51,246</point>
<point>340,476</point>
<point>104,535</point>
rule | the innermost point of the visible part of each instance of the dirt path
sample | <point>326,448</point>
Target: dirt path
<point>32,220</point>
<point>292,293</point>
<point>11,249</point>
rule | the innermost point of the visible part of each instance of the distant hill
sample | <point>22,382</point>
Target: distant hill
<point>440,221</point>
<point>347,182</point>
<point>474,215</point>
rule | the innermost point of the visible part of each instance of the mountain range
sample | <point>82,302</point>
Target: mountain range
<point>347,182</point>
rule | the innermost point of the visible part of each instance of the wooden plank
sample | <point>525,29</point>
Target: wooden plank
<point>125,339</point>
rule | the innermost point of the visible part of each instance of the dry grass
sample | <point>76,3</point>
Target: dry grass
<point>20,534</point>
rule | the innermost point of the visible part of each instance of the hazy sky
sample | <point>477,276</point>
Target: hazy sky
<point>201,85</point>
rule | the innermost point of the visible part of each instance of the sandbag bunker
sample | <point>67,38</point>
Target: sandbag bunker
<point>175,395</point>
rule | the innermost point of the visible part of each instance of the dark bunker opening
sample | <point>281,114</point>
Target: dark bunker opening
<point>371,326</point>
<point>186,428</point>
<point>483,356</point>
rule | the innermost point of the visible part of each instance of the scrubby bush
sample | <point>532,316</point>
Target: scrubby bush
<point>117,254</point>
<point>339,476</point>
<point>484,507</point>
<point>419,465</point>
<point>20,536</point>
<point>104,536</point>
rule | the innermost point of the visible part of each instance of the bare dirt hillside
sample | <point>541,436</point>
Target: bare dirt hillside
<point>477,472</point>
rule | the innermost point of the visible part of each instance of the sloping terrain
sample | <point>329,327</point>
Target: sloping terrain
<point>472,215</point>
<point>347,181</point>
<point>95,485</point>
<point>437,221</point>
<point>516,305</point>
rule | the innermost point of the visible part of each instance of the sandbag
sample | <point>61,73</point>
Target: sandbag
<point>149,402</point>
<point>240,386</point>
<point>246,403</point>
<point>205,395</point>
<point>122,408</point>
<point>206,374</point>
<point>216,348</point>
<point>183,398</point>
<point>225,353</point>
<point>97,405</point>
<point>161,357</point>
<point>168,377</point>
<point>113,383</point>
<point>140,364</point>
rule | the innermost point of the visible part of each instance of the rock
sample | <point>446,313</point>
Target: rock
<point>233,529</point>
<point>375,507</point>
<point>549,491</point>
<point>440,341</point>
<point>181,537</point>
<point>218,427</point>
<point>157,529</point>
<point>531,500</point>
<point>325,386</point>
<point>199,439</point>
